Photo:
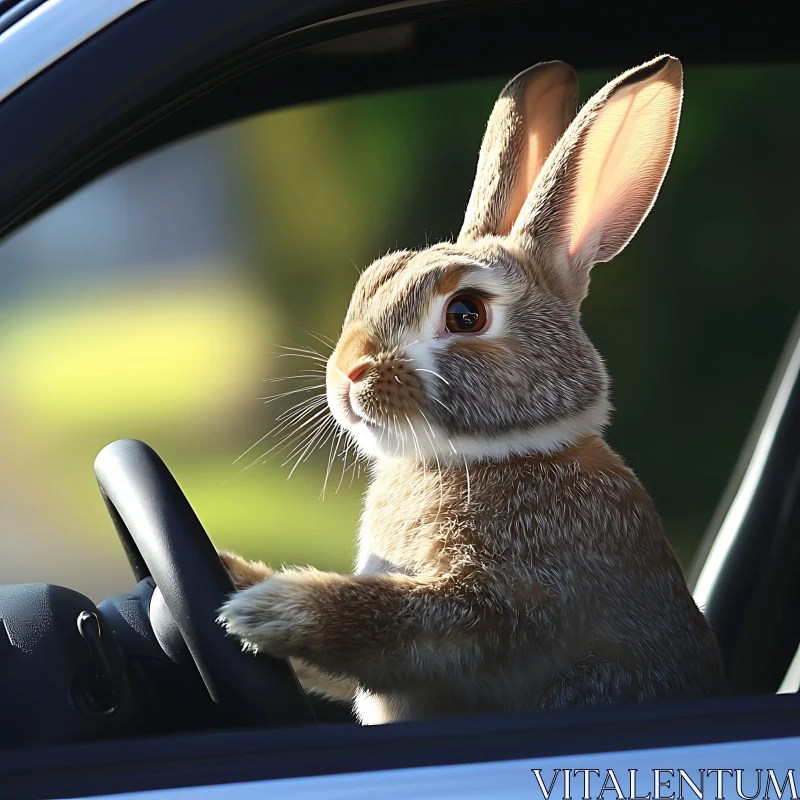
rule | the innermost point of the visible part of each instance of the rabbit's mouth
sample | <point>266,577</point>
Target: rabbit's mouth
<point>365,422</point>
<point>354,414</point>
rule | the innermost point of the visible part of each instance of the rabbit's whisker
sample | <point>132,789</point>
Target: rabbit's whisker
<point>401,435</point>
<point>326,432</point>
<point>323,340</point>
<point>432,372</point>
<point>417,448</point>
<point>303,375</point>
<point>396,435</point>
<point>294,432</point>
<point>439,471</point>
<point>317,438</point>
<point>348,443</point>
<point>331,458</point>
<point>238,458</point>
<point>272,397</point>
<point>293,427</point>
<point>352,470</point>
<point>308,401</point>
<point>305,423</point>
<point>466,467</point>
<point>358,269</point>
<point>317,358</point>
<point>264,456</point>
<point>308,350</point>
<point>437,400</point>
<point>305,402</point>
<point>298,440</point>
<point>428,422</point>
<point>466,471</point>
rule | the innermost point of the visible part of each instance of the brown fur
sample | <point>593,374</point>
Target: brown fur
<point>487,596</point>
<point>244,573</point>
<point>508,559</point>
<point>485,348</point>
<point>352,347</point>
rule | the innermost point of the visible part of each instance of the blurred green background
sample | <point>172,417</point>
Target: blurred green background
<point>152,303</point>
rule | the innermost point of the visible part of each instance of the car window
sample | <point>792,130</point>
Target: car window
<point>154,304</point>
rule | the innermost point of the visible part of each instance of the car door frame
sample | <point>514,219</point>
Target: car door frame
<point>109,99</point>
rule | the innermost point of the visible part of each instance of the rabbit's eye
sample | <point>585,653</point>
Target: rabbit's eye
<point>466,313</point>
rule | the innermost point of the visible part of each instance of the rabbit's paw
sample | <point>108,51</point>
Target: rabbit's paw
<point>275,616</point>
<point>243,573</point>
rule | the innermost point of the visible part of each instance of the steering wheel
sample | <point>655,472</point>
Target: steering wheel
<point>163,539</point>
<point>150,659</point>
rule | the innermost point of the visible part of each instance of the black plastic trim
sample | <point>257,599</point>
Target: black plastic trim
<point>171,68</point>
<point>12,12</point>
<point>206,759</point>
<point>754,601</point>
<point>113,87</point>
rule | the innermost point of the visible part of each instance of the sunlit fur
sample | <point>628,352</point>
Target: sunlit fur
<point>508,559</point>
<point>531,381</point>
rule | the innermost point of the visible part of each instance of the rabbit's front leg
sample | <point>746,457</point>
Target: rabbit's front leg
<point>375,629</point>
<point>245,574</point>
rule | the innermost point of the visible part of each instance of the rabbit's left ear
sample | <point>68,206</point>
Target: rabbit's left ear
<point>530,115</point>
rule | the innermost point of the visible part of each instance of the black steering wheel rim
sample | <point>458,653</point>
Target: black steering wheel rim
<point>163,538</point>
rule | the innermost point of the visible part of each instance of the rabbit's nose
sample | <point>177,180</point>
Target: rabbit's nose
<point>358,371</point>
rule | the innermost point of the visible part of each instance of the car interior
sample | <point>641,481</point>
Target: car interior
<point>195,183</point>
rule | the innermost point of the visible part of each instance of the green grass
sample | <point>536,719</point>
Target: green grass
<point>262,515</point>
<point>257,513</point>
<point>181,367</point>
<point>166,355</point>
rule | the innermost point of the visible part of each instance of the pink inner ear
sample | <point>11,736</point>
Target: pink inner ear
<point>547,107</point>
<point>624,157</point>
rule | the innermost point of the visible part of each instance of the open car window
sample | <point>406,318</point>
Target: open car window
<point>167,299</point>
<point>155,302</point>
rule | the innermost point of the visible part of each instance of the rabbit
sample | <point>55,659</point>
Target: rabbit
<point>508,558</point>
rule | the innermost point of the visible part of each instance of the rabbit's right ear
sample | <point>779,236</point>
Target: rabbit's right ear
<point>604,174</point>
<point>529,117</point>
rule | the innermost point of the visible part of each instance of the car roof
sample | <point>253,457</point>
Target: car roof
<point>143,73</point>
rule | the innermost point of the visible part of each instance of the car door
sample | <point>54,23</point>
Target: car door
<point>89,86</point>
